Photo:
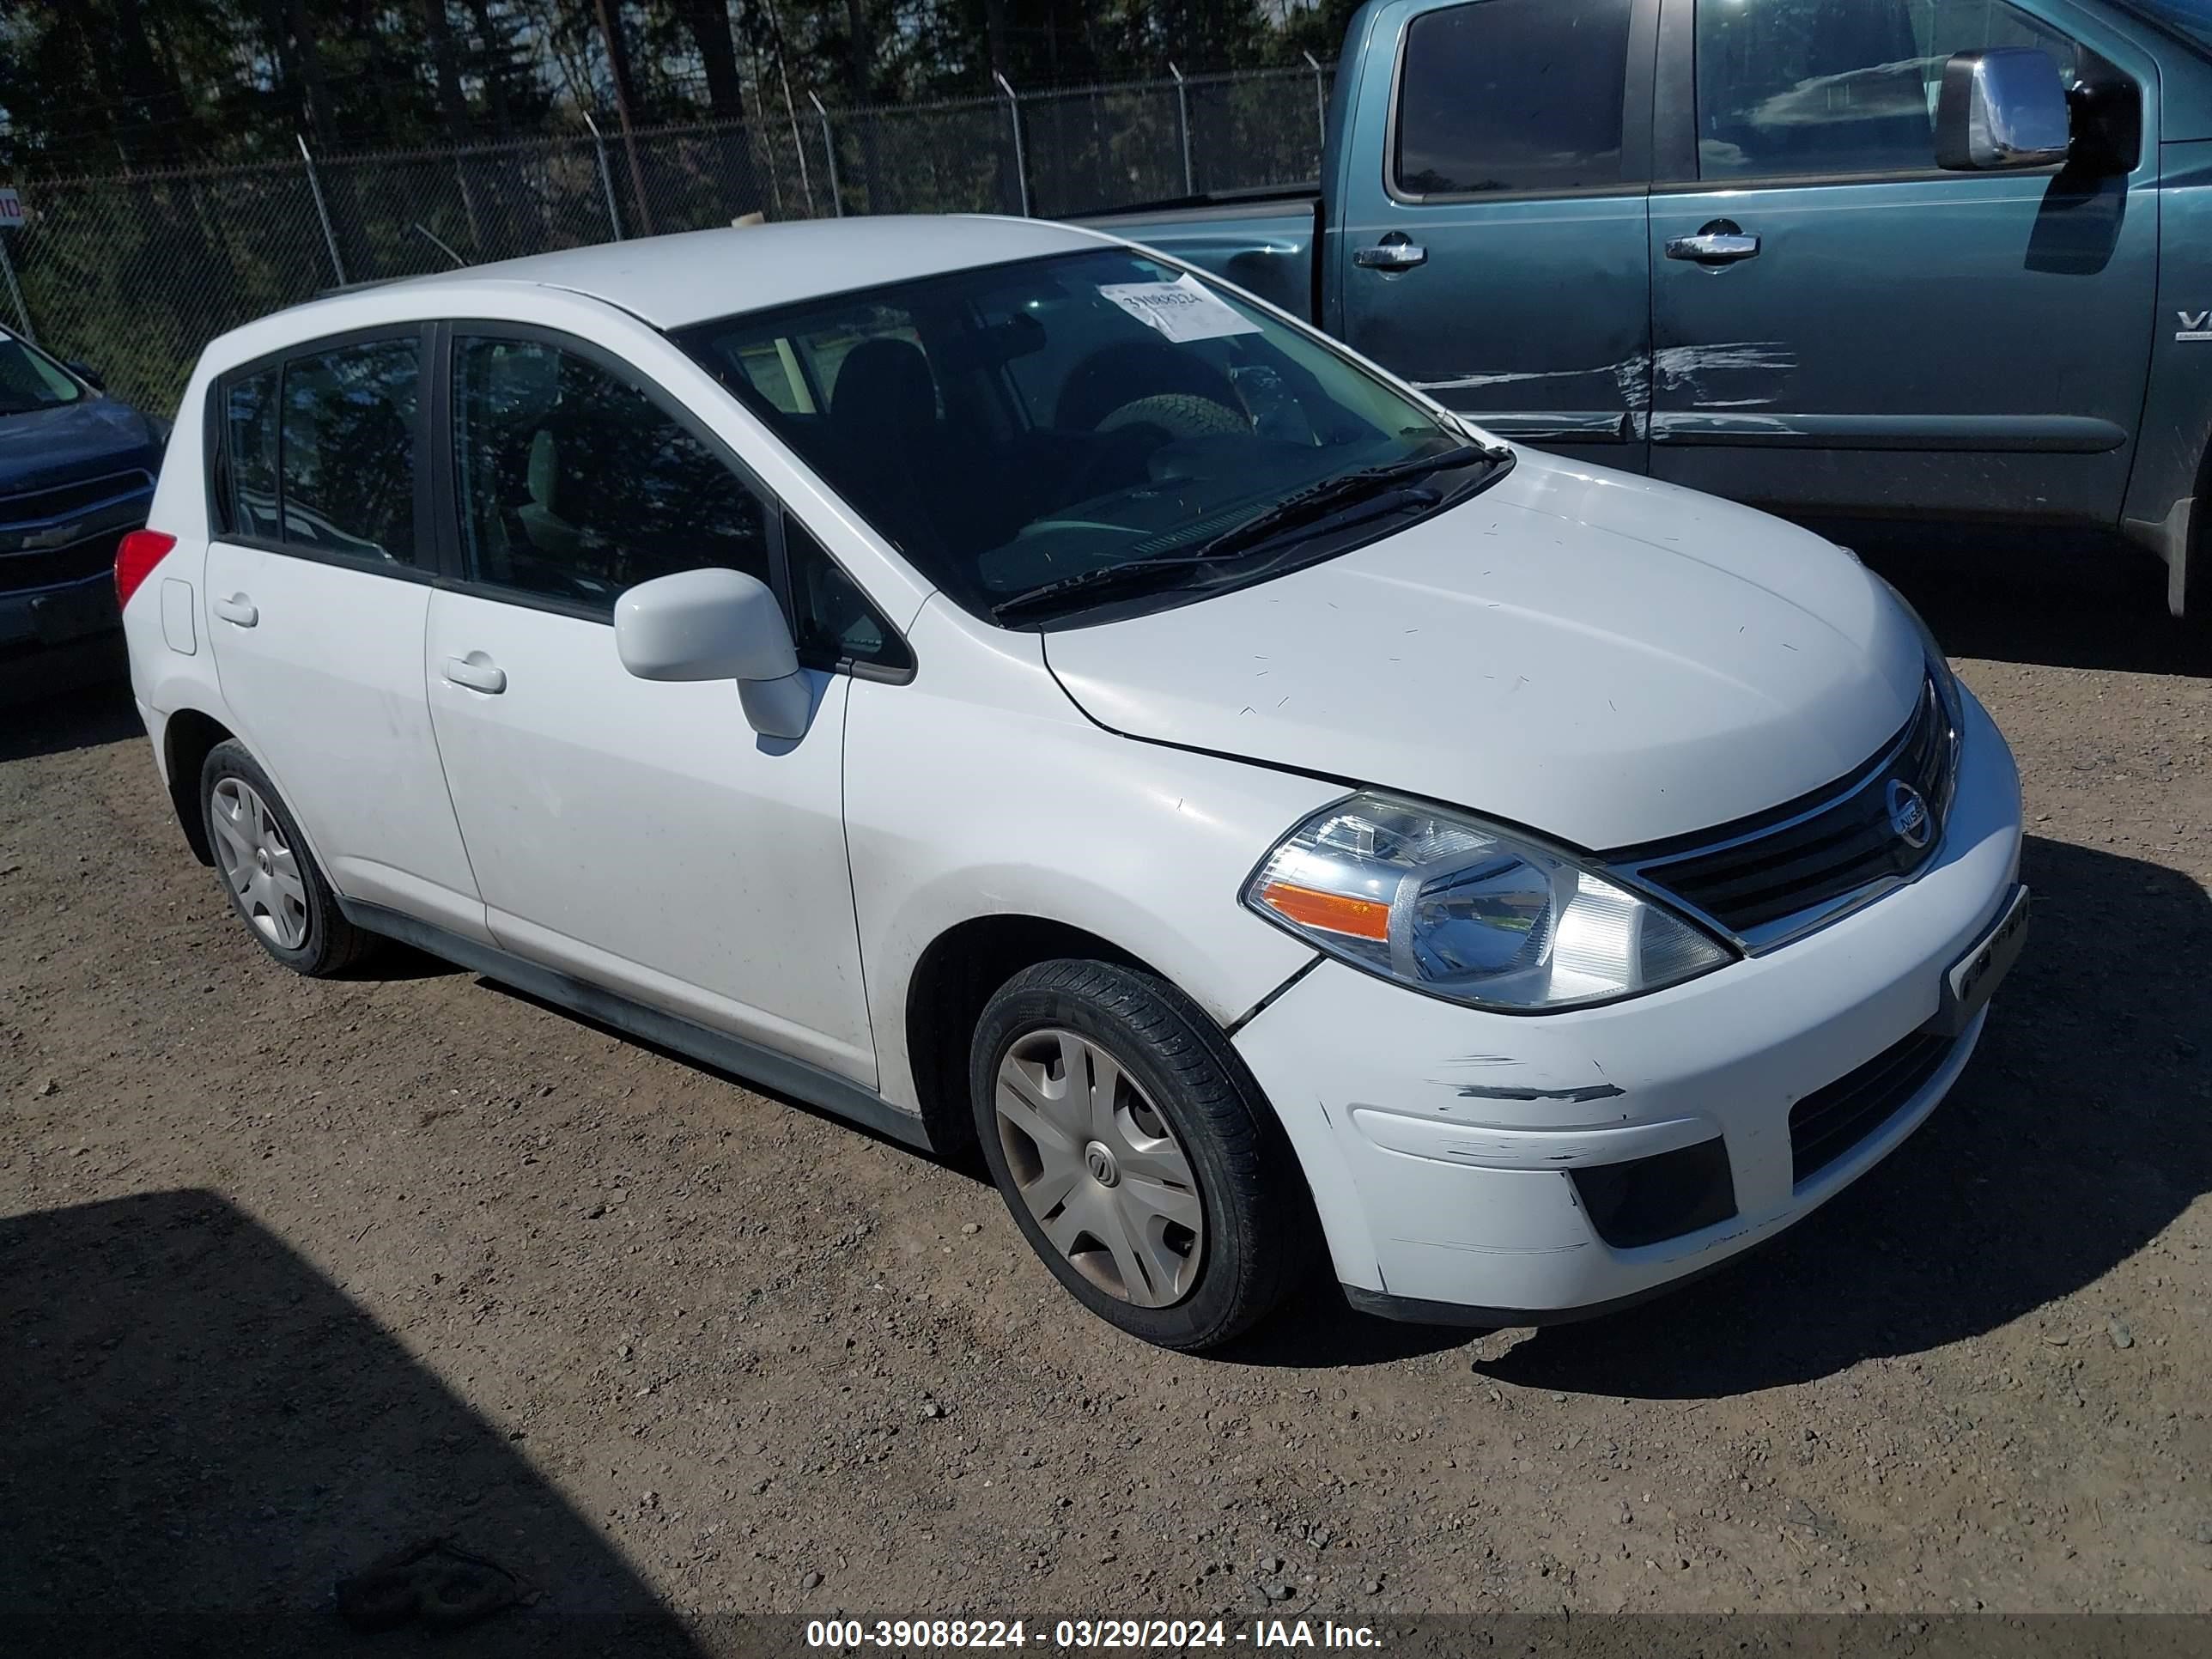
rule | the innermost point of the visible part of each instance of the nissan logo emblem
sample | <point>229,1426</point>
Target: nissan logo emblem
<point>1908,814</point>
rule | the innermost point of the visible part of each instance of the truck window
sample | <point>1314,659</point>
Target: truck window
<point>1826,87</point>
<point>1512,95</point>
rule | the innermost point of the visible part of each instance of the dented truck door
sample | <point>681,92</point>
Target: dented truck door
<point>1839,326</point>
<point>1495,252</point>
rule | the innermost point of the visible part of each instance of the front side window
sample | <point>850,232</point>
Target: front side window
<point>346,450</point>
<point>2189,19</point>
<point>1033,427</point>
<point>576,484</point>
<point>1823,87</point>
<point>1512,94</point>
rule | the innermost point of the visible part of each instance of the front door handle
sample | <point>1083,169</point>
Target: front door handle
<point>1720,243</point>
<point>476,673</point>
<point>1396,251</point>
<point>237,610</point>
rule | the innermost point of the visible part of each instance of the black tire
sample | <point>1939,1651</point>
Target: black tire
<point>331,944</point>
<point>1260,1236</point>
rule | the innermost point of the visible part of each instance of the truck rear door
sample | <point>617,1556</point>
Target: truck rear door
<point>1841,327</point>
<point>1490,241</point>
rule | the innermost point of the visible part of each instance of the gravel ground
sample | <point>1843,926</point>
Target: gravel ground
<point>293,1272</point>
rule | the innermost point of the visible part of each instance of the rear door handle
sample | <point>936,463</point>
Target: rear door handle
<point>1394,253</point>
<point>1720,243</point>
<point>476,673</point>
<point>237,610</point>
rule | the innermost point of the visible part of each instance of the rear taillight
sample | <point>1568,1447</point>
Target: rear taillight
<point>136,556</point>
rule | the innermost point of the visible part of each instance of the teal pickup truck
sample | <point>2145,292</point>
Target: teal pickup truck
<point>1926,258</point>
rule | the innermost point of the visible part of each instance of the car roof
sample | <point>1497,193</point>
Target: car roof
<point>693,277</point>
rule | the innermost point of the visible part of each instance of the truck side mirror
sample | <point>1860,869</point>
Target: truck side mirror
<point>717,624</point>
<point>2002,109</point>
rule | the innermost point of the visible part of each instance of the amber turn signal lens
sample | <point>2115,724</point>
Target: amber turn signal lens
<point>1335,913</point>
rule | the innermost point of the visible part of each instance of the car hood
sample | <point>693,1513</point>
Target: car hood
<point>1595,656</point>
<point>41,447</point>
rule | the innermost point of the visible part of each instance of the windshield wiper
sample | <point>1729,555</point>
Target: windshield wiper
<point>1145,573</point>
<point>1320,500</point>
<point>1329,494</point>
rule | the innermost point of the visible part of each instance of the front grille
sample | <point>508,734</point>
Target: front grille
<point>39,506</point>
<point>1831,1121</point>
<point>22,572</point>
<point>1818,852</point>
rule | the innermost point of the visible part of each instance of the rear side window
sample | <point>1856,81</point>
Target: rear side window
<point>347,450</point>
<point>1512,95</point>
<point>575,485</point>
<point>249,436</point>
<point>1840,87</point>
<point>317,453</point>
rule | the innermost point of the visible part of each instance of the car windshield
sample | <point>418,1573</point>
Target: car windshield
<point>2190,19</point>
<point>1022,428</point>
<point>29,380</point>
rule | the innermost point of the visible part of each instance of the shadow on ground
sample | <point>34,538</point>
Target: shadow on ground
<point>202,1434</point>
<point>54,723</point>
<point>2066,600</point>
<point>394,961</point>
<point>2079,1131</point>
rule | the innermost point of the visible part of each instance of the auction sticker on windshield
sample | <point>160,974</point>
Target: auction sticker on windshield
<point>1183,310</point>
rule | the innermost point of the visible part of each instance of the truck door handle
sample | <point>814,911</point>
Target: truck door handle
<point>1396,251</point>
<point>1720,243</point>
<point>237,610</point>
<point>476,673</point>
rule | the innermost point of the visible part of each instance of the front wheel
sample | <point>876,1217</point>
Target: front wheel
<point>1136,1155</point>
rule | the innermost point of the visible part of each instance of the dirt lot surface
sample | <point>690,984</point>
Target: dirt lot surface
<point>293,1272</point>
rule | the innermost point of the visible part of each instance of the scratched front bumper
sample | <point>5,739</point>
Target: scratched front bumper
<point>1438,1138</point>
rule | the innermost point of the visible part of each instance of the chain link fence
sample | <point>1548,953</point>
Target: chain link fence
<point>133,274</point>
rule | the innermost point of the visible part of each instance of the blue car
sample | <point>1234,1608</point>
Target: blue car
<point>76,472</point>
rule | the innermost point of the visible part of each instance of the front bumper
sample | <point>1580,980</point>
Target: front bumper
<point>1454,1153</point>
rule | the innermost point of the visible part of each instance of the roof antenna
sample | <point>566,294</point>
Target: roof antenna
<point>460,264</point>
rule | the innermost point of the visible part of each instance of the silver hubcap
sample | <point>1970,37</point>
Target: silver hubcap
<point>1099,1169</point>
<point>258,864</point>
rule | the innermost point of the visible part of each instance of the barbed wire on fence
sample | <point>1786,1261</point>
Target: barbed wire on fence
<point>135,273</point>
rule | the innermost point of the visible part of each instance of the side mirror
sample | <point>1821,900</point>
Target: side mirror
<point>2001,109</point>
<point>717,624</point>
<point>89,374</point>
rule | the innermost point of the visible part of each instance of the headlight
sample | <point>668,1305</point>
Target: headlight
<point>1447,904</point>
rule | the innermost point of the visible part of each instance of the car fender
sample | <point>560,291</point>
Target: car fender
<point>979,789</point>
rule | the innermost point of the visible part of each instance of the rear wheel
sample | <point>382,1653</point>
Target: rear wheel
<point>267,871</point>
<point>1136,1155</point>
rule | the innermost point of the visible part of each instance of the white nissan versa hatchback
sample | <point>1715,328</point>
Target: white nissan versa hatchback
<point>990,682</point>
